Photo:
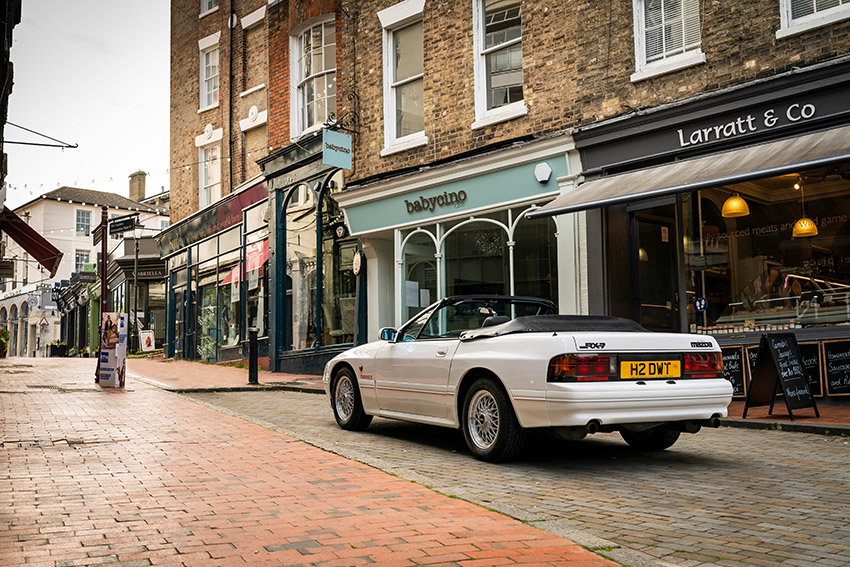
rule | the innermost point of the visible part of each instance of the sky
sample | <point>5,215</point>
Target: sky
<point>93,73</point>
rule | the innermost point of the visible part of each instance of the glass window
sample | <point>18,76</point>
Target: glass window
<point>338,314</point>
<point>784,264</point>
<point>408,80</point>
<point>81,258</point>
<point>209,77</point>
<point>207,327</point>
<point>210,176</point>
<point>83,223</point>
<point>803,8</point>
<point>315,70</point>
<point>207,5</point>
<point>301,249</point>
<point>257,285</point>
<point>420,273</point>
<point>668,28</point>
<point>502,51</point>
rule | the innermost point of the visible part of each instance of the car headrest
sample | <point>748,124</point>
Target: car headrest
<point>495,320</point>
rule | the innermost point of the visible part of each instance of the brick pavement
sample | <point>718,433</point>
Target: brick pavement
<point>184,376</point>
<point>139,477</point>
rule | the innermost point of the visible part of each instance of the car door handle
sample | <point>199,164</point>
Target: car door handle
<point>442,351</point>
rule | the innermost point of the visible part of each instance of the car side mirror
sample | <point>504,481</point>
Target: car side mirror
<point>388,334</point>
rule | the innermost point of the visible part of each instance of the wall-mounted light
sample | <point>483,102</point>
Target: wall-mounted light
<point>735,206</point>
<point>642,255</point>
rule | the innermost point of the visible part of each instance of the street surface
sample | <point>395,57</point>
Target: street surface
<point>731,497</point>
<point>140,477</point>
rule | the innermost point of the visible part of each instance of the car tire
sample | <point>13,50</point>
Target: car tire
<point>490,426</point>
<point>346,403</point>
<point>650,440</point>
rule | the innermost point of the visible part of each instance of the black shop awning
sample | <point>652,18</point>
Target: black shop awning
<point>790,155</point>
<point>35,244</point>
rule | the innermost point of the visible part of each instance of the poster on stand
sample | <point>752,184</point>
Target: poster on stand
<point>113,350</point>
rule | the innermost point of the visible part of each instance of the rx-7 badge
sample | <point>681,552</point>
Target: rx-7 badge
<point>592,346</point>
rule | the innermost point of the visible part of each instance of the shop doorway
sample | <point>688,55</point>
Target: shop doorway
<point>655,266</point>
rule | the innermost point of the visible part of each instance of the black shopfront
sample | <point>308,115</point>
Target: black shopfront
<point>275,256</point>
<point>729,215</point>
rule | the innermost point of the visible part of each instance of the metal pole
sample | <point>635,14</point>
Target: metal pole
<point>252,355</point>
<point>135,317</point>
<point>104,230</point>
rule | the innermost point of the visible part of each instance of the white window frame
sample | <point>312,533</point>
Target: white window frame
<point>484,116</point>
<point>203,176</point>
<point>395,18</point>
<point>644,70</point>
<point>78,266</point>
<point>789,26</point>
<point>77,224</point>
<point>297,129</point>
<point>208,7</point>
<point>207,45</point>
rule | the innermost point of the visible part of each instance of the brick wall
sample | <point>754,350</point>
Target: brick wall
<point>186,122</point>
<point>577,60</point>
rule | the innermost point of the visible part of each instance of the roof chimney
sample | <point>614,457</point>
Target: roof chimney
<point>137,186</point>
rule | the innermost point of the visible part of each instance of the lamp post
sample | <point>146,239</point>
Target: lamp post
<point>135,318</point>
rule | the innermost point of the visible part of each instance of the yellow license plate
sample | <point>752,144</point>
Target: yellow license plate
<point>650,369</point>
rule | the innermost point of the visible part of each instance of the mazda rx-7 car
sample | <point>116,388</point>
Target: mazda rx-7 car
<point>498,366</point>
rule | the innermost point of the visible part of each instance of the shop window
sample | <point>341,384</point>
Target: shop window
<point>798,16</point>
<point>314,76</point>
<point>301,246</point>
<point>404,83</point>
<point>207,311</point>
<point>497,41</point>
<point>753,272</point>
<point>257,285</point>
<point>229,304</point>
<point>667,36</point>
<point>338,314</point>
<point>420,273</point>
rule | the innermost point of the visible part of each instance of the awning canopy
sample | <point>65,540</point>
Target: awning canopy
<point>256,255</point>
<point>790,155</point>
<point>35,244</point>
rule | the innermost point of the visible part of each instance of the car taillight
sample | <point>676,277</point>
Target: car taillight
<point>703,364</point>
<point>582,368</point>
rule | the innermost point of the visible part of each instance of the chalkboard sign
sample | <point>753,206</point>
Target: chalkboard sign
<point>733,369</point>
<point>779,367</point>
<point>837,357</point>
<point>811,358</point>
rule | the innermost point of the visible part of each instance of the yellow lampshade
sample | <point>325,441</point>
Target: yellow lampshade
<point>735,206</point>
<point>804,227</point>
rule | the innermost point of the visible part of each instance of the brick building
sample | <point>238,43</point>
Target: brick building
<point>490,138</point>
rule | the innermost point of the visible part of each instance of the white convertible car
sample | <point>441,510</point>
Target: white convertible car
<point>496,366</point>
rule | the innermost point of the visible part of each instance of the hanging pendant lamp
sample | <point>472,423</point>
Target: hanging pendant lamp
<point>735,206</point>
<point>804,227</point>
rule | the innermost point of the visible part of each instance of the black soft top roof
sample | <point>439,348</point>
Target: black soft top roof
<point>555,323</point>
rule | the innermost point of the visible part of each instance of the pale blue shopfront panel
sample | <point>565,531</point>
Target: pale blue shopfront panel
<point>449,199</point>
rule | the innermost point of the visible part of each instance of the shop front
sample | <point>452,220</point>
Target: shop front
<point>461,229</point>
<point>729,215</point>
<point>316,300</point>
<point>216,288</point>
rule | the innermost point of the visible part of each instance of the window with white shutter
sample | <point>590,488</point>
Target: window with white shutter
<point>798,16</point>
<point>667,36</point>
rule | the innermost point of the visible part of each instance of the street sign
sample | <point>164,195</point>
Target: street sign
<point>44,322</point>
<point>32,301</point>
<point>7,268</point>
<point>122,224</point>
<point>83,277</point>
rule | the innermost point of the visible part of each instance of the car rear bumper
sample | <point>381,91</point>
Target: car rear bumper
<point>611,403</point>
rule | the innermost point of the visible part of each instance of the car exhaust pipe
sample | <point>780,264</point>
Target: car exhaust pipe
<point>713,422</point>
<point>593,426</point>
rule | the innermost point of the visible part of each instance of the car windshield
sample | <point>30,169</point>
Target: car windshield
<point>450,320</point>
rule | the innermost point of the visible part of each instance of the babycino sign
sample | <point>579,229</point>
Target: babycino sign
<point>455,199</point>
<point>742,125</point>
